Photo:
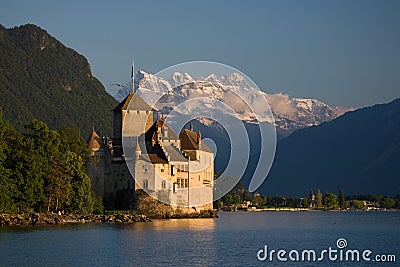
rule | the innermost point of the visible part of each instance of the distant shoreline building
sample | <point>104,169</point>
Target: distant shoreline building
<point>146,154</point>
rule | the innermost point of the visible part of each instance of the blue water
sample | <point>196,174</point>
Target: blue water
<point>231,240</point>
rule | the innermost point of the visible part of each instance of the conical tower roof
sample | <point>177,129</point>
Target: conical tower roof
<point>133,102</point>
<point>94,141</point>
<point>138,148</point>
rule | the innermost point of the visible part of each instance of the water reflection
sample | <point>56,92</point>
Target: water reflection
<point>173,224</point>
<point>173,242</point>
<point>231,240</point>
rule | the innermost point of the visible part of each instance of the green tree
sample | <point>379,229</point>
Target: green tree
<point>246,195</point>
<point>260,201</point>
<point>330,200</point>
<point>217,204</point>
<point>58,187</point>
<point>342,201</point>
<point>357,204</point>
<point>397,200</point>
<point>305,202</point>
<point>6,183</point>
<point>318,199</point>
<point>387,203</point>
<point>71,140</point>
<point>44,169</point>
<point>227,199</point>
<point>237,199</point>
<point>83,198</point>
<point>29,172</point>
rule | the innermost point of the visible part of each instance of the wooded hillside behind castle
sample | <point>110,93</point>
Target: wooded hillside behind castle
<point>41,78</point>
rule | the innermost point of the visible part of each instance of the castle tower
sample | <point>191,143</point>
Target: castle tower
<point>95,142</point>
<point>138,151</point>
<point>96,169</point>
<point>132,118</point>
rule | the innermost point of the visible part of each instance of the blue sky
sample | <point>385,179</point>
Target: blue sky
<point>345,53</point>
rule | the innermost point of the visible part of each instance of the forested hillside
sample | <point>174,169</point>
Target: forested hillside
<point>41,78</point>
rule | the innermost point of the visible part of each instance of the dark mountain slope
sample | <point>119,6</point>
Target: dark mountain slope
<point>41,78</point>
<point>359,152</point>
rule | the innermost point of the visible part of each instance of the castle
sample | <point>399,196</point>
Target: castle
<point>146,154</point>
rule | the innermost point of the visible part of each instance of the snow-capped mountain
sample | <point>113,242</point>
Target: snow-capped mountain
<point>289,114</point>
<point>292,114</point>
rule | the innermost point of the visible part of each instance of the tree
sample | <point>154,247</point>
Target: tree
<point>29,171</point>
<point>6,183</point>
<point>58,187</point>
<point>318,199</point>
<point>330,200</point>
<point>387,203</point>
<point>246,195</point>
<point>72,141</point>
<point>83,199</point>
<point>305,203</point>
<point>342,201</point>
<point>259,201</point>
<point>44,169</point>
<point>227,199</point>
<point>357,204</point>
<point>397,200</point>
<point>237,199</point>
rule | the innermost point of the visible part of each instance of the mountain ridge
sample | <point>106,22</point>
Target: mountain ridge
<point>358,151</point>
<point>42,78</point>
<point>289,113</point>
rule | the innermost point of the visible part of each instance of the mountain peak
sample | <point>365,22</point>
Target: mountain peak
<point>290,113</point>
<point>58,87</point>
<point>178,78</point>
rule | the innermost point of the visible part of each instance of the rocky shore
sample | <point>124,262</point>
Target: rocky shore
<point>51,218</point>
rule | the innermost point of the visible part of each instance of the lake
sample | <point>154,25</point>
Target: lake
<point>233,239</point>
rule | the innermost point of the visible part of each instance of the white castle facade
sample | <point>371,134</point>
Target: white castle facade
<point>146,154</point>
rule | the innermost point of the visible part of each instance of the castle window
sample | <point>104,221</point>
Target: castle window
<point>129,184</point>
<point>182,183</point>
<point>144,170</point>
<point>138,112</point>
<point>145,184</point>
<point>161,170</point>
<point>163,184</point>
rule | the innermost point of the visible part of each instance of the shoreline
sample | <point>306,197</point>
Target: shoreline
<point>305,210</point>
<point>35,219</point>
<point>28,219</point>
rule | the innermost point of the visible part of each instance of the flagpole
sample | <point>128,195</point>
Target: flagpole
<point>133,77</point>
<point>188,182</point>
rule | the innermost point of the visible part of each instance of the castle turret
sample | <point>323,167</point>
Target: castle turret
<point>94,142</point>
<point>132,118</point>
<point>138,151</point>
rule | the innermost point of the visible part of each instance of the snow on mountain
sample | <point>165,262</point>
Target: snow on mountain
<point>179,78</point>
<point>295,113</point>
<point>289,113</point>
